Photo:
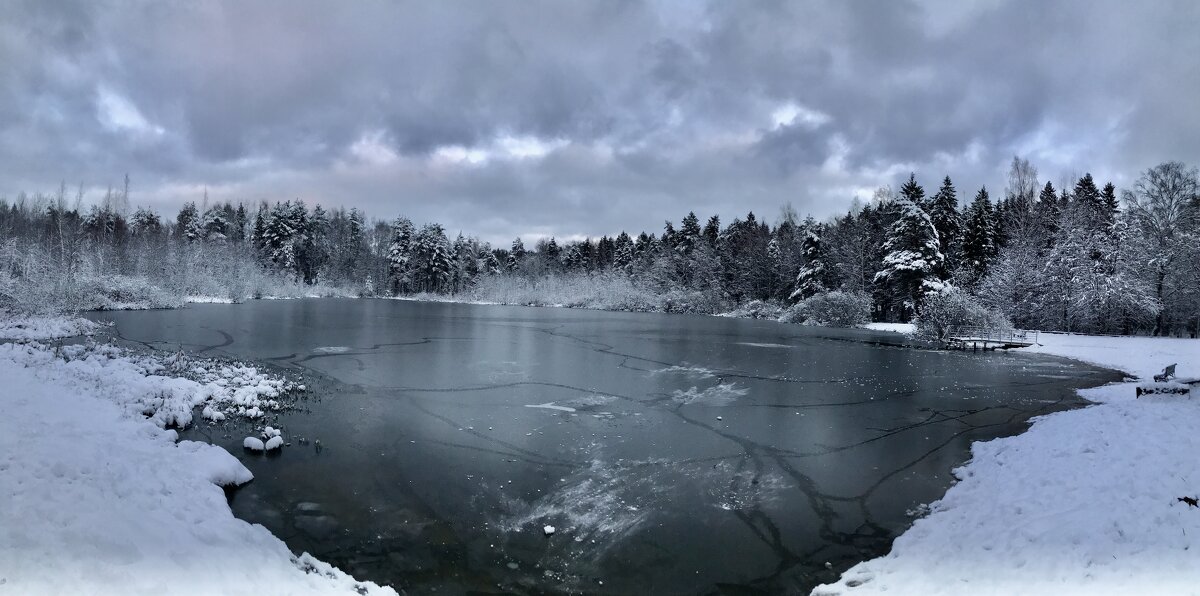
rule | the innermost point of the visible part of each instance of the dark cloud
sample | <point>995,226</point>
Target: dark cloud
<point>572,118</point>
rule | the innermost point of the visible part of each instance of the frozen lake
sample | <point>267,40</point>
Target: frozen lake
<point>673,454</point>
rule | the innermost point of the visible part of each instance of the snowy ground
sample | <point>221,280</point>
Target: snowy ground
<point>43,327</point>
<point>96,497</point>
<point>907,328</point>
<point>1085,502</point>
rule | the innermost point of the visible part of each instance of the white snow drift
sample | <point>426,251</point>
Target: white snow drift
<point>1085,502</point>
<point>97,499</point>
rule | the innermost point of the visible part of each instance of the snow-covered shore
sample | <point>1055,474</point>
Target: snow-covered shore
<point>1085,502</point>
<point>97,497</point>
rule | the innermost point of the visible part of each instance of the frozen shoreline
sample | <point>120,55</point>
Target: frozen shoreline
<point>1085,501</point>
<point>99,496</point>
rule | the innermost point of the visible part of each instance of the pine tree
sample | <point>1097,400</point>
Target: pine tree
<point>943,211</point>
<point>623,253</point>
<point>215,227</point>
<point>811,279</point>
<point>1111,206</point>
<point>145,223</point>
<point>979,236</point>
<point>914,256</point>
<point>689,233</point>
<point>433,258</point>
<point>712,231</point>
<point>1089,204</point>
<point>913,192</point>
<point>1048,214</point>
<point>400,256</point>
<point>515,255</point>
<point>187,223</point>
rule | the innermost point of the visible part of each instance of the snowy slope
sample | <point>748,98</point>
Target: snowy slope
<point>97,499</point>
<point>1085,502</point>
<point>43,327</point>
<point>1139,356</point>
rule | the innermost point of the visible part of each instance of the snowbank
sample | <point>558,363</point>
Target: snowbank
<point>165,390</point>
<point>41,327</point>
<point>906,328</point>
<point>1139,356</point>
<point>1085,502</point>
<point>102,502</point>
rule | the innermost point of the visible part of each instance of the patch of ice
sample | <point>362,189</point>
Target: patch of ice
<point>754,344</point>
<point>692,371</point>
<point>722,394</point>
<point>550,406</point>
<point>332,349</point>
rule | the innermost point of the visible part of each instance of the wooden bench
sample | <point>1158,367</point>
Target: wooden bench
<point>1166,374</point>
<point>1163,383</point>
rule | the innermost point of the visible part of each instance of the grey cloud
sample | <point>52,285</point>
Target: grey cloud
<point>657,107</point>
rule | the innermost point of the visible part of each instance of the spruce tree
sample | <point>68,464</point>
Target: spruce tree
<point>811,279</point>
<point>943,211</point>
<point>400,256</point>
<point>979,236</point>
<point>913,253</point>
<point>712,231</point>
<point>515,255</point>
<point>1048,213</point>
<point>913,192</point>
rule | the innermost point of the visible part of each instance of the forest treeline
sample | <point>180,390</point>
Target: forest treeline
<point>1077,258</point>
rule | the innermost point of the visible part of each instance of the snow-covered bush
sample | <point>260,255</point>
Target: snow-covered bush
<point>612,291</point>
<point>831,309</point>
<point>757,309</point>
<point>953,307</point>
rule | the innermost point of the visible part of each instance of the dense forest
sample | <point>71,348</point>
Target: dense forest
<point>1076,258</point>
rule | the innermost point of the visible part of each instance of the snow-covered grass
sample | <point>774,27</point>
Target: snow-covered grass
<point>1085,502</point>
<point>164,390</point>
<point>98,499</point>
<point>43,327</point>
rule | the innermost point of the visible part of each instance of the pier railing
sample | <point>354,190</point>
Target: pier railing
<point>992,335</point>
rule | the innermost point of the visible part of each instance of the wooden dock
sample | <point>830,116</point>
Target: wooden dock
<point>989,338</point>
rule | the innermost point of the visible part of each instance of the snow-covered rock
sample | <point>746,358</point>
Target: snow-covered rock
<point>253,444</point>
<point>273,443</point>
<point>548,530</point>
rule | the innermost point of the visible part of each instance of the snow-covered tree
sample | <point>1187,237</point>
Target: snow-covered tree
<point>187,223</point>
<point>432,259</point>
<point>811,279</point>
<point>943,212</point>
<point>516,255</point>
<point>400,253</point>
<point>979,236</point>
<point>913,255</point>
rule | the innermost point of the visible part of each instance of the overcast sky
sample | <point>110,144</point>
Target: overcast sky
<point>584,118</point>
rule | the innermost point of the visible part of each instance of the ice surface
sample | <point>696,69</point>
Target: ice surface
<point>550,406</point>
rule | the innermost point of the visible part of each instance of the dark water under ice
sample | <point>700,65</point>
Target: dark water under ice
<point>672,453</point>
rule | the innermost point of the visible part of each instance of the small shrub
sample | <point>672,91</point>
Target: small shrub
<point>831,309</point>
<point>953,307</point>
